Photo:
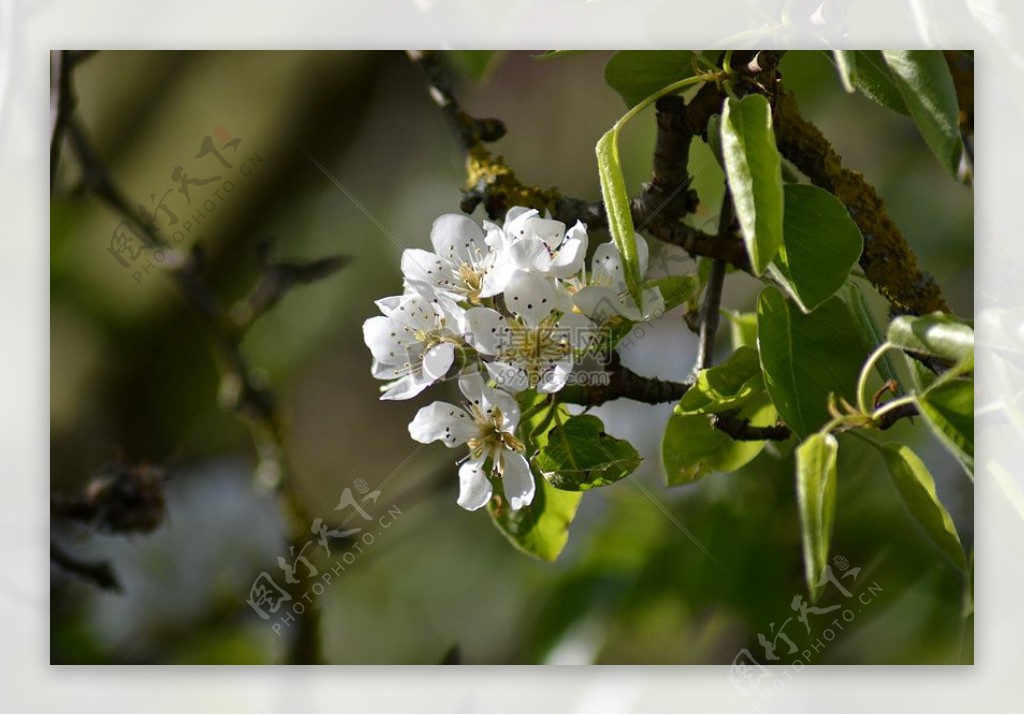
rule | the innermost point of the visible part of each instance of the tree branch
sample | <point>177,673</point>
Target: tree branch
<point>99,573</point>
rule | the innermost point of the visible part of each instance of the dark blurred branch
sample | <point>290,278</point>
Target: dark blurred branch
<point>98,573</point>
<point>241,390</point>
<point>709,309</point>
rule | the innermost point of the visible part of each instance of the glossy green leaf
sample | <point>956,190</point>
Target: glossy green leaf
<point>541,528</point>
<point>937,334</point>
<point>692,447</point>
<point>874,80</point>
<point>846,63</point>
<point>869,331</point>
<point>579,455</point>
<point>742,329</point>
<point>715,139</point>
<point>821,244</point>
<point>816,498</point>
<point>754,170</point>
<point>926,85</point>
<point>807,357</point>
<point>917,488</point>
<point>675,290</point>
<point>724,387</point>
<point>616,203</point>
<point>637,74</point>
<point>948,408</point>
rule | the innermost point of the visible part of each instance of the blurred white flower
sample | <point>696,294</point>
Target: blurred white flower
<point>605,294</point>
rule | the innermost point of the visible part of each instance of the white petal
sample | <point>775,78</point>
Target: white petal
<point>417,312</point>
<point>443,422</point>
<point>495,397</point>
<point>569,259</point>
<point>472,386</point>
<point>508,377</point>
<point>606,266</point>
<point>386,371</point>
<point>580,330</point>
<point>486,330</point>
<point>515,221</point>
<point>423,266</point>
<point>598,302</point>
<point>390,341</point>
<point>407,387</point>
<point>531,254</point>
<point>497,276</point>
<point>554,376</point>
<point>643,253</point>
<point>475,488</point>
<point>438,360</point>
<point>457,239</point>
<point>531,296</point>
<point>517,480</point>
<point>389,305</point>
<point>547,230</point>
<point>654,303</point>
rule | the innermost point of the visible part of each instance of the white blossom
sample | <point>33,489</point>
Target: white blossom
<point>542,245</point>
<point>466,265</point>
<point>605,294</point>
<point>413,343</point>
<point>487,424</point>
<point>536,345</point>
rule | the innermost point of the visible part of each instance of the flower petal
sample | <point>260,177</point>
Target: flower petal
<point>548,230</point>
<point>486,330</point>
<point>508,377</point>
<point>554,376</point>
<point>502,400</point>
<point>438,360</point>
<point>457,239</point>
<point>407,387</point>
<point>515,221</point>
<point>579,329</point>
<point>517,480</point>
<point>531,254</point>
<point>569,259</point>
<point>606,266</point>
<point>387,371</point>
<point>389,341</point>
<point>475,488</point>
<point>444,422</point>
<point>530,296</point>
<point>598,302</point>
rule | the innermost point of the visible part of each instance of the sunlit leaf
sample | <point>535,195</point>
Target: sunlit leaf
<point>926,85</point>
<point>917,488</point>
<point>807,357</point>
<point>754,170</point>
<point>816,497</point>
<point>948,407</point>
<point>579,455</point>
<point>846,63</point>
<point>541,528</point>
<point>676,290</point>
<point>937,334</point>
<point>724,387</point>
<point>616,203</point>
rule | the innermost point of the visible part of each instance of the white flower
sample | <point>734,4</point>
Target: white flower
<point>606,294</point>
<point>413,343</point>
<point>487,424</point>
<point>465,264</point>
<point>536,346</point>
<point>542,245</point>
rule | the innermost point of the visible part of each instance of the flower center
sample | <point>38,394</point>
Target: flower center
<point>535,348</point>
<point>472,280</point>
<point>492,439</point>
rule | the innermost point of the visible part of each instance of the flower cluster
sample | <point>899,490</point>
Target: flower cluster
<point>505,308</point>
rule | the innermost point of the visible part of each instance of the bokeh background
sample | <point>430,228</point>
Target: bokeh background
<point>132,379</point>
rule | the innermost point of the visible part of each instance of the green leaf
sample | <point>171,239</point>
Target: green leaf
<point>846,63</point>
<point>917,488</point>
<point>724,387</point>
<point>637,74</point>
<point>580,456</point>
<point>869,332</point>
<point>742,329</point>
<point>715,138</point>
<point>807,357</point>
<point>937,334</point>
<point>926,85</point>
<point>676,290</point>
<point>948,408</point>
<point>616,203</point>
<point>754,169</point>
<point>816,497</point>
<point>874,80</point>
<point>474,63</point>
<point>541,528</point>
<point>821,244</point>
<point>692,447</point>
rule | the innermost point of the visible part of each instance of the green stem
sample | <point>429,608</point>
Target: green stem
<point>862,381</point>
<point>890,406</point>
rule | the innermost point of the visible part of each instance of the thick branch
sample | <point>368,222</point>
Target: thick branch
<point>887,259</point>
<point>99,573</point>
<point>623,382</point>
<point>740,429</point>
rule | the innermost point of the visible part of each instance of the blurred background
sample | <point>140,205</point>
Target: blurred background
<point>132,379</point>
